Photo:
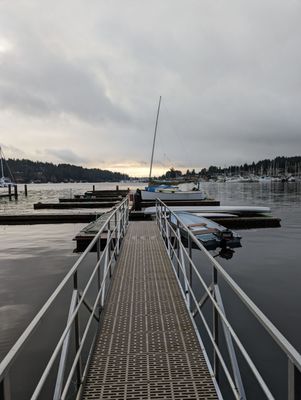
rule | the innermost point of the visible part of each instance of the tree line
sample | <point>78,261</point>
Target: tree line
<point>276,166</point>
<point>25,171</point>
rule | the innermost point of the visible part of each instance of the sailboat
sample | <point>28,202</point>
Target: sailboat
<point>167,192</point>
<point>4,181</point>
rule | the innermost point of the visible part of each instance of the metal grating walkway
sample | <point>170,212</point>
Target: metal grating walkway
<point>147,347</point>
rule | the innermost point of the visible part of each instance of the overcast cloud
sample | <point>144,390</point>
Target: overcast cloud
<point>80,81</point>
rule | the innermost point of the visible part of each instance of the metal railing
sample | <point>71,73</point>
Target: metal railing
<point>114,228</point>
<point>173,231</point>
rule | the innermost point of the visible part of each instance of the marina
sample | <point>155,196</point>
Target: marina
<point>150,189</point>
<point>119,377</point>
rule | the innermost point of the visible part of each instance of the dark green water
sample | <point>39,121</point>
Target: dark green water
<point>34,259</point>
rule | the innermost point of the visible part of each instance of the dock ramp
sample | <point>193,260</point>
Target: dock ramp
<point>147,347</point>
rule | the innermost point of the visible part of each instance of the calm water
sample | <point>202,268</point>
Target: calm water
<point>35,258</point>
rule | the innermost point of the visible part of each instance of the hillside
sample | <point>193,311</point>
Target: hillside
<point>25,171</point>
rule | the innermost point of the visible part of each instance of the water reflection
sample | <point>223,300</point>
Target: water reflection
<point>225,252</point>
<point>267,267</point>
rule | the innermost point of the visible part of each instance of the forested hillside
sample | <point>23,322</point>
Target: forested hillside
<point>25,171</point>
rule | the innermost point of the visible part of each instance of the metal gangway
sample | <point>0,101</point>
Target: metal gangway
<point>90,287</point>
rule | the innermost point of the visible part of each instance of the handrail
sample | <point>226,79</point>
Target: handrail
<point>163,216</point>
<point>115,234</point>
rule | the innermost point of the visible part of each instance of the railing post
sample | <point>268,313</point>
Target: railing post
<point>64,353</point>
<point>115,218</point>
<point>77,335</point>
<point>105,272</point>
<point>166,228</point>
<point>5,392</point>
<point>160,215</point>
<point>215,327</point>
<point>294,382</point>
<point>178,248</point>
<point>98,270</point>
<point>127,212</point>
<point>124,219</point>
<point>182,260</point>
<point>125,216</point>
<point>110,241</point>
<point>190,265</point>
<point>118,233</point>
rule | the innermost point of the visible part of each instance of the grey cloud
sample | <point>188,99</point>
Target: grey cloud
<point>57,87</point>
<point>41,81</point>
<point>229,75</point>
<point>66,155</point>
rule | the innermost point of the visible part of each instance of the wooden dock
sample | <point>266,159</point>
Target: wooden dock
<point>64,206</point>
<point>147,347</point>
<point>48,218</point>
<point>89,199</point>
<point>87,234</point>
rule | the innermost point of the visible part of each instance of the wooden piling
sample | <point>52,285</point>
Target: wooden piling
<point>16,191</point>
<point>25,190</point>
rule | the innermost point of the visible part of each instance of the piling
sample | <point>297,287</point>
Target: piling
<point>25,190</point>
<point>16,191</point>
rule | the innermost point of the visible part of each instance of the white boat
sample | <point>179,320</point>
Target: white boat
<point>171,193</point>
<point>209,233</point>
<point>4,181</point>
<point>166,192</point>
<point>146,195</point>
<point>265,179</point>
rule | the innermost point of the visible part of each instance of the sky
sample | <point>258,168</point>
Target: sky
<point>80,82</point>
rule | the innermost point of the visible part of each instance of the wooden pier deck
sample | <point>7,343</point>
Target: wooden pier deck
<point>147,347</point>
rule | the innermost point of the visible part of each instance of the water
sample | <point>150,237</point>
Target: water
<point>33,259</point>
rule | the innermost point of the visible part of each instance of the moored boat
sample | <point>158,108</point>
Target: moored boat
<point>164,192</point>
<point>209,233</point>
<point>4,181</point>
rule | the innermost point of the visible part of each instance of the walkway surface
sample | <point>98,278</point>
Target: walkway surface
<point>147,347</point>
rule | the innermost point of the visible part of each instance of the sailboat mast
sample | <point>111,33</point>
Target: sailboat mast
<point>154,141</point>
<point>2,171</point>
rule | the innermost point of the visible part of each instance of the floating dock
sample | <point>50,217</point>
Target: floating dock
<point>140,205</point>
<point>89,199</point>
<point>103,193</point>
<point>249,222</point>
<point>63,206</point>
<point>147,347</point>
<point>86,235</point>
<point>43,218</point>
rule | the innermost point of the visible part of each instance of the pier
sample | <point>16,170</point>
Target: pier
<point>137,327</point>
<point>147,347</point>
<point>9,193</point>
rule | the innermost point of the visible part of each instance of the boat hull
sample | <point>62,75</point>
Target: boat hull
<point>209,233</point>
<point>172,195</point>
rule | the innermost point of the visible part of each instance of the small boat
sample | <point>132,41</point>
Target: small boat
<point>209,233</point>
<point>164,192</point>
<point>4,181</point>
